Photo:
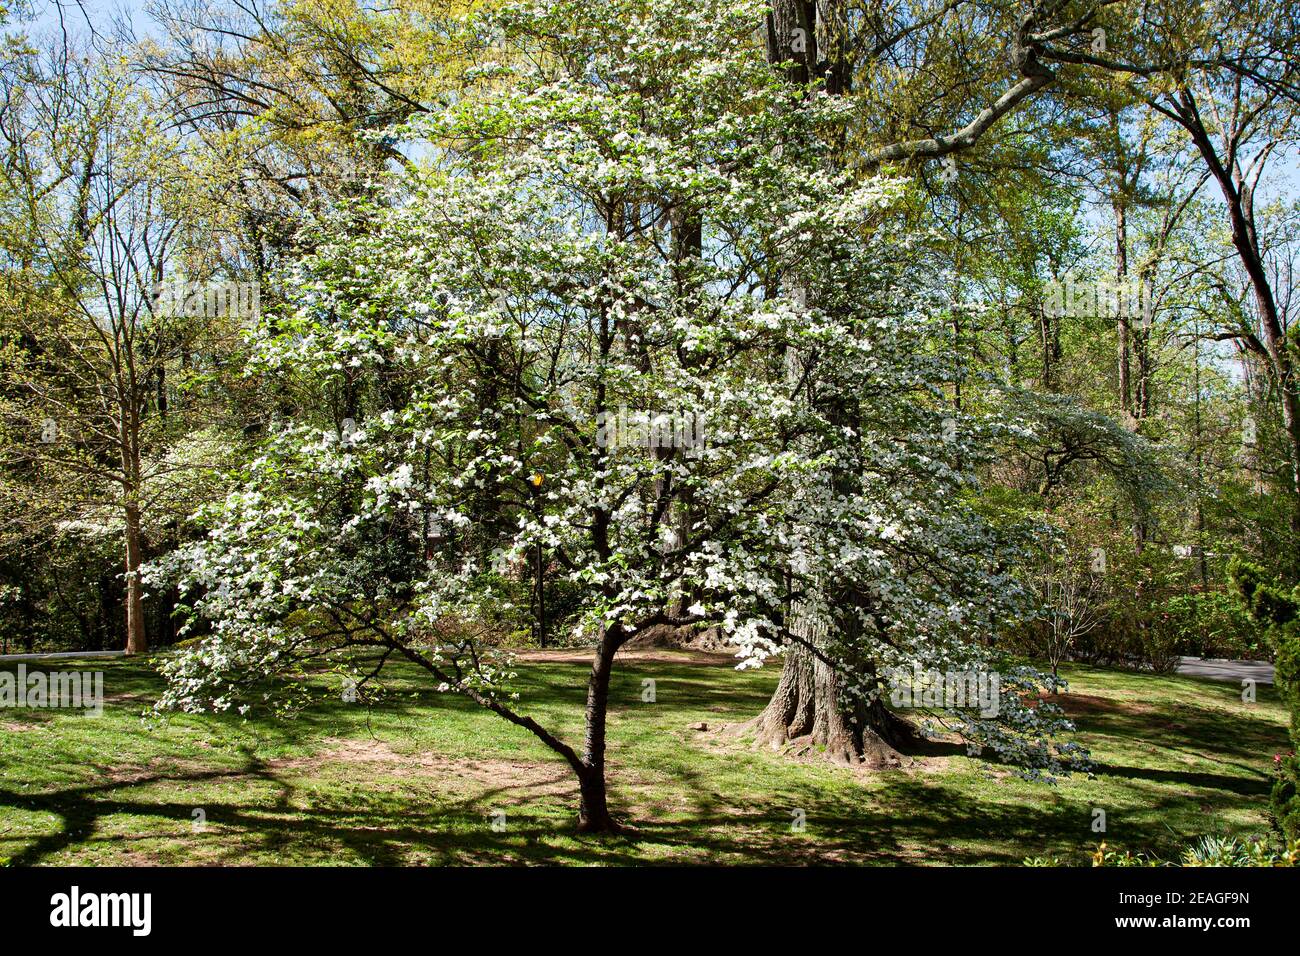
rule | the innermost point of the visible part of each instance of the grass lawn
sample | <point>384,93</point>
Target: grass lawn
<point>418,778</point>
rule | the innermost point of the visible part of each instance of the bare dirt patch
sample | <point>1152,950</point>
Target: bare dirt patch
<point>534,779</point>
<point>522,778</point>
<point>1079,704</point>
<point>126,697</point>
<point>31,719</point>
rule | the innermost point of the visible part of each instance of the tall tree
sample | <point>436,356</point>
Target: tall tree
<point>88,342</point>
<point>532,253</point>
<point>1228,76</point>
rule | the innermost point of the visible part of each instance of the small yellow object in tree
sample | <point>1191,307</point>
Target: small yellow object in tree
<point>537,480</point>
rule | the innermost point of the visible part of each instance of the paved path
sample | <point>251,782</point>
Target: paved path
<point>1219,669</point>
<point>65,655</point>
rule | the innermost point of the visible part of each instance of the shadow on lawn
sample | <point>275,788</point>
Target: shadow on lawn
<point>950,824</point>
<point>896,817</point>
<point>381,828</point>
<point>384,833</point>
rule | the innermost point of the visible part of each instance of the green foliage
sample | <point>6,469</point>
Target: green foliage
<point>1229,851</point>
<point>1285,796</point>
<point>478,226</point>
<point>1278,609</point>
<point>65,591</point>
<point>1211,624</point>
<point>1208,850</point>
<point>1269,602</point>
<point>1133,585</point>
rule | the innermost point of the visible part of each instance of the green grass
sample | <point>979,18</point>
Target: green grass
<point>414,779</point>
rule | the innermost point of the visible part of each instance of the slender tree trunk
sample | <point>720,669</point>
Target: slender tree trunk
<point>1045,337</point>
<point>539,585</point>
<point>1197,432</point>
<point>1140,406</point>
<point>129,426</point>
<point>1142,352</point>
<point>1121,319</point>
<point>593,811</point>
<point>1238,197</point>
<point>688,249</point>
<point>136,643</point>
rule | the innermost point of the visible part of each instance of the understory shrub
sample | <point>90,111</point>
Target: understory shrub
<point>1278,609</point>
<point>1213,624</point>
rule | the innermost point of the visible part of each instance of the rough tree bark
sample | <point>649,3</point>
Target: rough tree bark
<point>136,643</point>
<point>593,809</point>
<point>809,715</point>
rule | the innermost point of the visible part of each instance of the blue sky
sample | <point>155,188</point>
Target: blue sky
<point>100,13</point>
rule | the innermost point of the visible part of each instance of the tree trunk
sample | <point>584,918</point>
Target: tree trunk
<point>1045,324</point>
<point>593,811</point>
<point>1121,318</point>
<point>792,38</point>
<point>810,713</point>
<point>1238,196</point>
<point>1142,352</point>
<point>136,643</point>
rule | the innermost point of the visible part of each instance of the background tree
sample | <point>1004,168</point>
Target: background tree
<point>88,341</point>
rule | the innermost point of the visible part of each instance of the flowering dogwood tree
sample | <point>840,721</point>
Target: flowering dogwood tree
<point>627,321</point>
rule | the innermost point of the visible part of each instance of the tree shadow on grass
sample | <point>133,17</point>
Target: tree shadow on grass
<point>1257,786</point>
<point>292,814</point>
<point>905,820</point>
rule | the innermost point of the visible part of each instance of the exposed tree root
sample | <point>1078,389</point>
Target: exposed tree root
<point>807,717</point>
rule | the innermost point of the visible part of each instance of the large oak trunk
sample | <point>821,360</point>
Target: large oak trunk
<point>810,714</point>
